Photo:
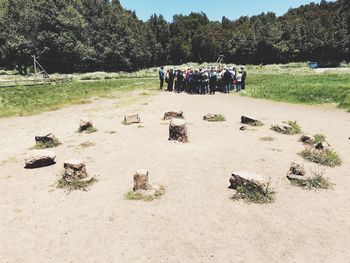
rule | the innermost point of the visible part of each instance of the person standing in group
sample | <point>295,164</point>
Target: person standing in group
<point>244,76</point>
<point>227,80</point>
<point>171,80</point>
<point>239,81</point>
<point>213,80</point>
<point>161,76</point>
<point>233,78</point>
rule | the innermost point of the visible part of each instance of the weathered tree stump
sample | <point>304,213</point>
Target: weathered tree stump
<point>173,114</point>
<point>250,121</point>
<point>49,138</point>
<point>322,146</point>
<point>74,169</point>
<point>241,178</point>
<point>283,128</point>
<point>85,124</point>
<point>178,130</point>
<point>39,158</point>
<point>131,119</point>
<point>296,169</point>
<point>141,180</point>
<point>307,139</point>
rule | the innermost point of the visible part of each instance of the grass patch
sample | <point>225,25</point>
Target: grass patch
<point>87,144</point>
<point>88,130</point>
<point>75,184</point>
<point>327,158</point>
<point>48,144</point>
<point>216,118</point>
<point>139,196</point>
<point>319,138</point>
<point>317,181</point>
<point>267,139</point>
<point>252,192</point>
<point>301,86</point>
<point>20,100</point>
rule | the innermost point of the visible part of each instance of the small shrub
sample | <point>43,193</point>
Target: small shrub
<point>48,144</point>
<point>319,138</point>
<point>327,158</point>
<point>217,118</point>
<point>139,196</point>
<point>317,181</point>
<point>295,126</point>
<point>253,192</point>
<point>267,139</point>
<point>75,184</point>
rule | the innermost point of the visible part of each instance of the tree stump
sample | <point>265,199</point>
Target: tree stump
<point>85,124</point>
<point>178,130</point>
<point>131,119</point>
<point>141,180</point>
<point>173,114</point>
<point>74,169</point>
<point>307,139</point>
<point>250,121</point>
<point>40,158</point>
<point>297,169</point>
<point>243,177</point>
<point>49,138</point>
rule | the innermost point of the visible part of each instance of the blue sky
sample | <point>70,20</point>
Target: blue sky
<point>215,10</point>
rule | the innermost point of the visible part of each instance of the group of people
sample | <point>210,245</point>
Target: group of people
<point>203,81</point>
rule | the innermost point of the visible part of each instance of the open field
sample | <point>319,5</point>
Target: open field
<point>196,220</point>
<point>18,101</point>
<point>293,82</point>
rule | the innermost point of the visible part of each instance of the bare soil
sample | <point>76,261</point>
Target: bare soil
<point>195,221</point>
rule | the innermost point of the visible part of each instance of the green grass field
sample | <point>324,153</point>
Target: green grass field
<point>301,88</point>
<point>19,101</point>
<point>294,83</point>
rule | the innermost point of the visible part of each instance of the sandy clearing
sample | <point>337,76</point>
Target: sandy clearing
<point>195,221</point>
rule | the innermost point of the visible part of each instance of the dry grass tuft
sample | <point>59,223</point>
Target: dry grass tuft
<point>139,196</point>
<point>253,192</point>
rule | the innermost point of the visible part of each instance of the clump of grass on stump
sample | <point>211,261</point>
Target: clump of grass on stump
<point>148,198</point>
<point>217,118</point>
<point>253,192</point>
<point>317,181</point>
<point>75,184</point>
<point>47,144</point>
<point>88,130</point>
<point>295,128</point>
<point>327,157</point>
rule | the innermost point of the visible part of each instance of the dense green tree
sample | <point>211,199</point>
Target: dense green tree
<point>90,35</point>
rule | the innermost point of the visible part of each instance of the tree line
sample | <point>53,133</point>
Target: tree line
<point>93,35</point>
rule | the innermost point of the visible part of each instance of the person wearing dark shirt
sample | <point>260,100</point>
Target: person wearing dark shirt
<point>161,77</point>
<point>171,80</point>
<point>227,80</point>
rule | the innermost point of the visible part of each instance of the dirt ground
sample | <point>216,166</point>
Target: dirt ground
<point>195,221</point>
